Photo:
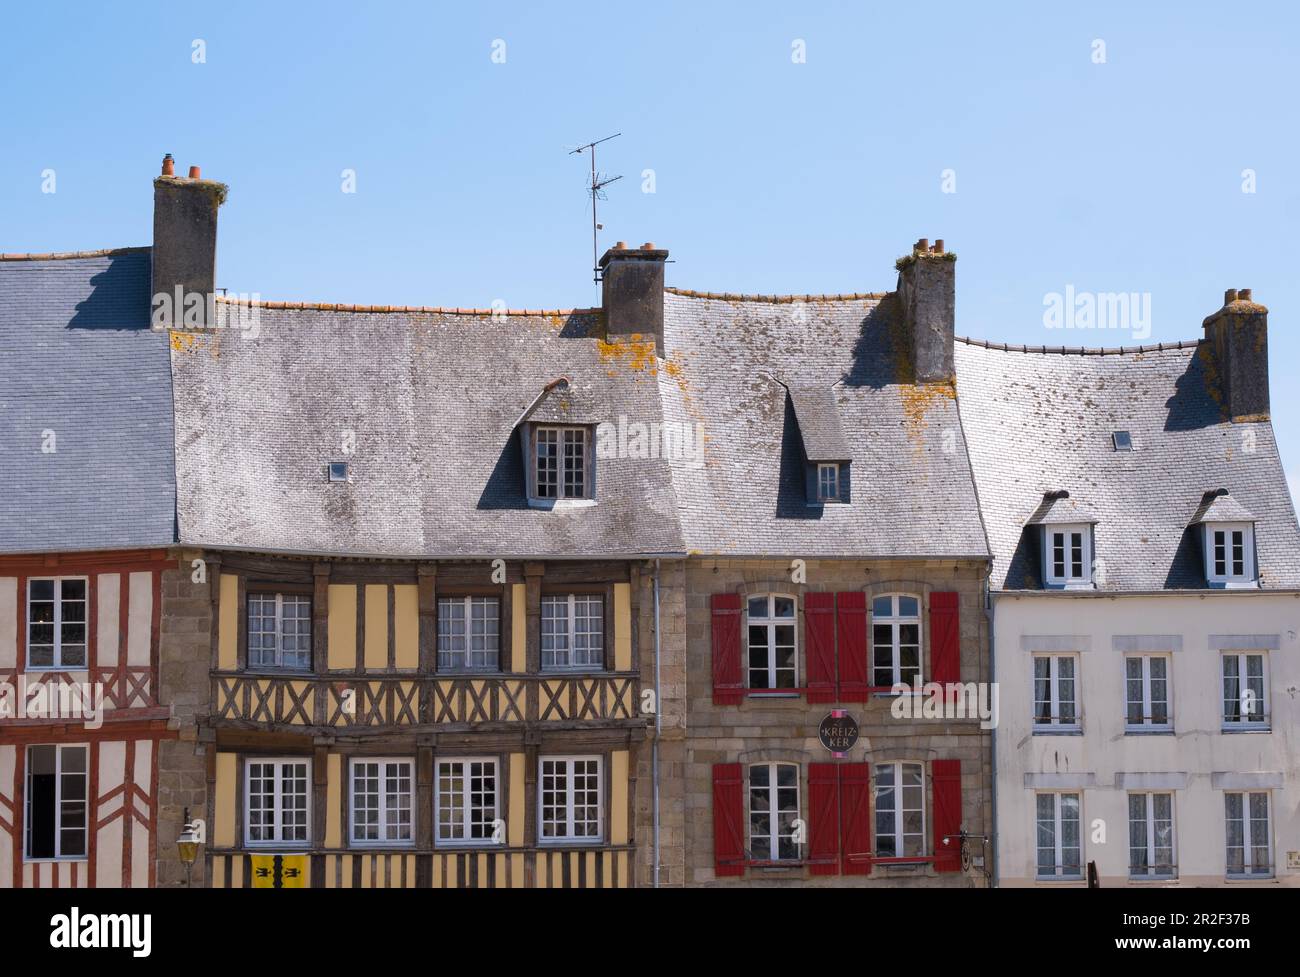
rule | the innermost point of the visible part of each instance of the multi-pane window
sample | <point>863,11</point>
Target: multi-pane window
<point>896,640</point>
<point>1151,836</point>
<point>900,810</point>
<point>1230,556</point>
<point>569,798</point>
<point>1245,687</point>
<point>277,798</point>
<point>56,623</point>
<point>1146,683</point>
<point>573,631</point>
<point>1249,844</point>
<point>561,463</point>
<point>828,482</point>
<point>1055,691</point>
<point>1069,560</point>
<point>381,801</point>
<point>773,648</point>
<point>1060,845</point>
<point>467,800</point>
<point>469,633</point>
<point>56,802</point>
<point>279,631</point>
<point>773,811</point>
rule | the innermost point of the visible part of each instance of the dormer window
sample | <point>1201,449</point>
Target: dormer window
<point>1068,555</point>
<point>1230,554</point>
<point>560,464</point>
<point>828,482</point>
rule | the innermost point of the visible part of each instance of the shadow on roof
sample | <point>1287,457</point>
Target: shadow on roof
<point>1195,403</point>
<point>119,296</point>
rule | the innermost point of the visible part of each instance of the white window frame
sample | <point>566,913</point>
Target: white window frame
<point>1149,834</point>
<point>770,623</point>
<point>383,809</point>
<point>569,838</point>
<point>895,620</point>
<point>278,665</point>
<point>1243,661</point>
<point>1230,579</point>
<point>571,639</point>
<point>278,841</point>
<point>1054,724</point>
<point>58,856</point>
<point>1147,725</point>
<point>1246,836</point>
<point>832,467</point>
<point>1057,840</point>
<point>466,822</point>
<point>773,853</point>
<point>899,810</point>
<point>468,602</point>
<point>58,664</point>
<point>1067,579</point>
<point>561,432</point>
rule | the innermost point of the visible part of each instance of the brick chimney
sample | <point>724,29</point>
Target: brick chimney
<point>1238,338</point>
<point>184,246</point>
<point>927,294</point>
<point>632,292</point>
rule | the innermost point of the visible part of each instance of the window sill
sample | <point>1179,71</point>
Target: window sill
<point>560,505</point>
<point>568,843</point>
<point>468,845</point>
<point>773,695</point>
<point>276,846</point>
<point>57,668</point>
<point>1060,879</point>
<point>61,860</point>
<point>381,845</point>
<point>1071,585</point>
<point>1148,731</point>
<point>1153,880</point>
<point>1233,584</point>
<point>1269,876</point>
<point>1242,728</point>
<point>1058,730</point>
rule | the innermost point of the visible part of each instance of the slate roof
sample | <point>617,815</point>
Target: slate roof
<point>1058,509</point>
<point>77,358</point>
<point>1040,421</point>
<point>728,361</point>
<point>818,416</point>
<point>1219,506</point>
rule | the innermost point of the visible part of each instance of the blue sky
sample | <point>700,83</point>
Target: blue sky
<point>770,175</point>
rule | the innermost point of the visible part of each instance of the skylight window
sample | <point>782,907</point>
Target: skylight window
<point>1123,441</point>
<point>338,471</point>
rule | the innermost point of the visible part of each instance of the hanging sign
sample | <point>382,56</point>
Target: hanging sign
<point>838,733</point>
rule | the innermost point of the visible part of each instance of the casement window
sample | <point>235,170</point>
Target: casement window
<point>1055,692</point>
<point>1230,554</point>
<point>573,631</point>
<point>828,482</point>
<point>56,622</point>
<point>1245,690</point>
<point>277,801</point>
<point>56,802</point>
<point>1068,555</point>
<point>1060,844</point>
<point>279,631</point>
<point>569,799</point>
<point>561,463</point>
<point>1151,836</point>
<point>1250,845</point>
<point>896,640</point>
<point>382,801</point>
<point>773,642</point>
<point>467,800</point>
<point>900,810</point>
<point>1146,683</point>
<point>469,633</point>
<point>773,811</point>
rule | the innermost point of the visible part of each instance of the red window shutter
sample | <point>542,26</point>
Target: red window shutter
<point>728,812</point>
<point>728,685</point>
<point>851,628</point>
<point>824,818</point>
<point>819,623</point>
<point>855,815</point>
<point>945,646</point>
<point>945,778</point>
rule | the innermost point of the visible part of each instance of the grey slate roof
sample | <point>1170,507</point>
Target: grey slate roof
<point>1058,508</point>
<point>433,400</point>
<point>77,358</point>
<point>1219,506</point>
<point>726,362</point>
<point>818,416</point>
<point>1036,422</point>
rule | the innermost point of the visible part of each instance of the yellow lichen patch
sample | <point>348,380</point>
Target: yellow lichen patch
<point>634,354</point>
<point>181,341</point>
<point>917,399</point>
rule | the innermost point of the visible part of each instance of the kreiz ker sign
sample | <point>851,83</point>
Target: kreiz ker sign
<point>838,732</point>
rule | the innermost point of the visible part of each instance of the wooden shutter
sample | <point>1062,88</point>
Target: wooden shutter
<point>855,817</point>
<point>824,819</point>
<point>945,646</point>
<point>728,814</point>
<point>728,685</point>
<point>851,630</point>
<point>819,623</point>
<point>945,778</point>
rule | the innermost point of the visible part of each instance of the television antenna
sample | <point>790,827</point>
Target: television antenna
<point>599,181</point>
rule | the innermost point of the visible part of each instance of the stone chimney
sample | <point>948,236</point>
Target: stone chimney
<point>632,292</point>
<point>184,247</point>
<point>1238,341</point>
<point>927,295</point>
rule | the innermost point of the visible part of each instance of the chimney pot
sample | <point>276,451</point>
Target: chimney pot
<point>169,166</point>
<point>923,244</point>
<point>648,246</point>
<point>1229,296</point>
<point>620,245</point>
<point>938,245</point>
<point>194,173</point>
<point>1244,295</point>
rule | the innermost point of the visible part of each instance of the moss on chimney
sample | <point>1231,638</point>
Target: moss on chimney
<point>218,192</point>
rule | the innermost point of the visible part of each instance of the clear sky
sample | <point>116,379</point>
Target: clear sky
<point>795,147</point>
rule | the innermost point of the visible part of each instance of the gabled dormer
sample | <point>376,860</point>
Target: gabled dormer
<point>1227,535</point>
<point>557,438</point>
<point>1066,533</point>
<point>827,459</point>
